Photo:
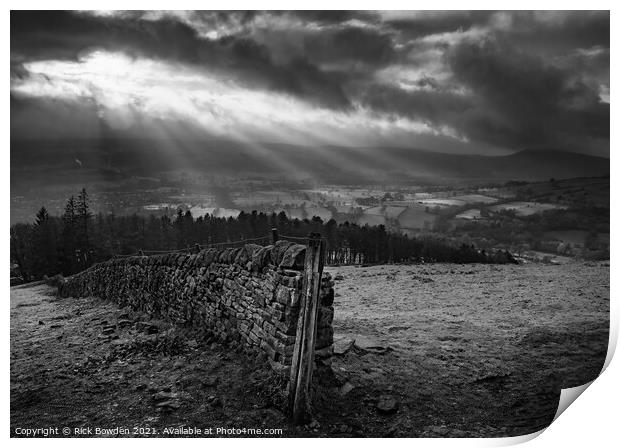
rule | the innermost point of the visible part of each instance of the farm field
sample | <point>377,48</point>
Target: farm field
<point>577,191</point>
<point>255,198</point>
<point>442,202</point>
<point>525,208</point>
<point>473,213</point>
<point>416,217</point>
<point>476,198</point>
<point>389,211</point>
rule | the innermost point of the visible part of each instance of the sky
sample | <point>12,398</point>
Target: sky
<point>450,81</point>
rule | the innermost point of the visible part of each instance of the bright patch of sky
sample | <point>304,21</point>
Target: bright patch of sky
<point>124,88</point>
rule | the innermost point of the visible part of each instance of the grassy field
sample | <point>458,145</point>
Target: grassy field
<point>476,199</point>
<point>442,202</point>
<point>473,213</point>
<point>389,211</point>
<point>416,217</point>
<point>524,208</point>
<point>472,350</point>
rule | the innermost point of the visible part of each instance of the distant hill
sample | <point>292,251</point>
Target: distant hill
<point>540,165</point>
<point>34,161</point>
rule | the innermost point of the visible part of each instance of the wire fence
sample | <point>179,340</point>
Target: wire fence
<point>294,238</point>
<point>208,245</point>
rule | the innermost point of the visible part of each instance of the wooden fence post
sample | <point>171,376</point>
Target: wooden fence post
<point>303,355</point>
<point>274,235</point>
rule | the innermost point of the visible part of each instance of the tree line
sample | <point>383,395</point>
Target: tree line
<point>74,241</point>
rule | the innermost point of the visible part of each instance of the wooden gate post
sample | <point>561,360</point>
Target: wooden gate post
<point>303,356</point>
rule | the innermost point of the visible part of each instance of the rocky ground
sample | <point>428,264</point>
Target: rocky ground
<point>469,350</point>
<point>427,350</point>
<point>86,363</point>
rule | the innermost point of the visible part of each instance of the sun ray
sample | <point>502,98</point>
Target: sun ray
<point>131,92</point>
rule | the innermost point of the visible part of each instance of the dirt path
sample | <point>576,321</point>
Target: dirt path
<point>65,372</point>
<point>472,351</point>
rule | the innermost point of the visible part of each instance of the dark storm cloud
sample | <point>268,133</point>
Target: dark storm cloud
<point>558,30</point>
<point>510,79</point>
<point>435,107</point>
<point>531,80</point>
<point>437,22</point>
<point>533,103</point>
<point>333,16</point>
<point>65,35</point>
<point>511,99</point>
<point>351,45</point>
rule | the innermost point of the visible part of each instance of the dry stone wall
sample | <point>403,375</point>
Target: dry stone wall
<point>250,294</point>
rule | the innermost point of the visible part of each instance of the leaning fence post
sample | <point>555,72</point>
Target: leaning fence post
<point>303,355</point>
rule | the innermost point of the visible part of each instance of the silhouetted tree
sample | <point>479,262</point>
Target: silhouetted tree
<point>68,260</point>
<point>44,239</point>
<point>83,217</point>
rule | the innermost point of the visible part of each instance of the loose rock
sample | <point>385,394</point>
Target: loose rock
<point>387,404</point>
<point>346,388</point>
<point>172,404</point>
<point>343,345</point>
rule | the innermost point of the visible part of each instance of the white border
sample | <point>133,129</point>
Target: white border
<point>592,421</point>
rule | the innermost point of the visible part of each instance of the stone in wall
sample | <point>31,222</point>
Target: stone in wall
<point>247,294</point>
<point>325,333</point>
